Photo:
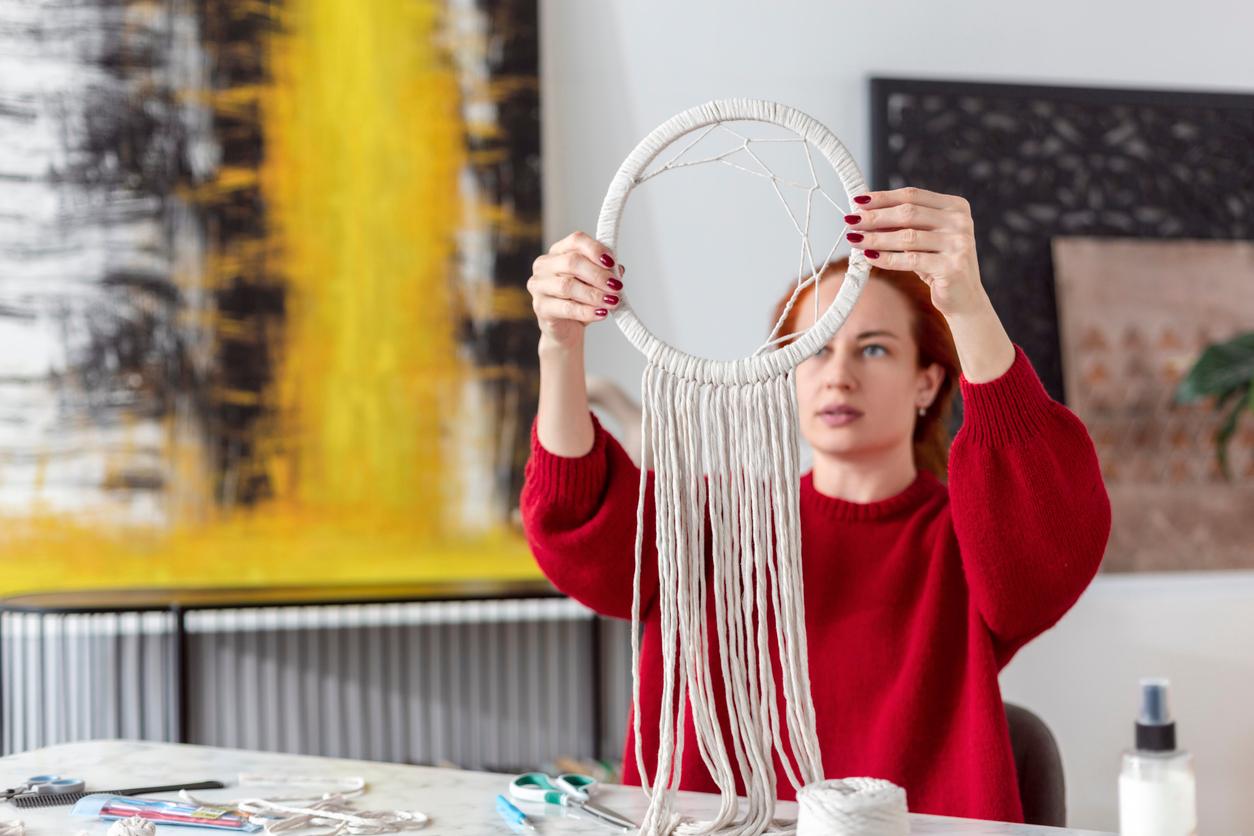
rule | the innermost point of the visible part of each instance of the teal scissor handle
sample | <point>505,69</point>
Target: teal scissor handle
<point>537,786</point>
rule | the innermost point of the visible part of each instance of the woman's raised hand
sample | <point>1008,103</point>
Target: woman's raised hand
<point>578,281</point>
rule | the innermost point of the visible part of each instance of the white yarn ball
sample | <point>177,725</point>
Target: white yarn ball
<point>852,807</point>
<point>134,826</point>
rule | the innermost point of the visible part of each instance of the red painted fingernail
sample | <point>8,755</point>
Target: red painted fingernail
<point>872,253</point>
<point>855,237</point>
<point>614,284</point>
<point>607,260</point>
<point>610,299</point>
<point>602,312</point>
<point>852,219</point>
<point>863,199</point>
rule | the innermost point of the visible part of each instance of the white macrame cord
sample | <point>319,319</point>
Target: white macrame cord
<point>722,440</point>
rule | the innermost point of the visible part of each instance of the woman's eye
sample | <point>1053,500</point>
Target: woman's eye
<point>874,350</point>
<point>823,351</point>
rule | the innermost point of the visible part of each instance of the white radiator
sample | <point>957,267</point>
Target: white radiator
<point>482,684</point>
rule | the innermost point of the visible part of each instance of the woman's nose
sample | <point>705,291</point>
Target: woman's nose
<point>838,374</point>
<point>836,382</point>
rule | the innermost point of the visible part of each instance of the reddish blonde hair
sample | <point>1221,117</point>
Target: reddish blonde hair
<point>936,345</point>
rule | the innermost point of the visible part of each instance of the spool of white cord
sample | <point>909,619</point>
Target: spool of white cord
<point>852,807</point>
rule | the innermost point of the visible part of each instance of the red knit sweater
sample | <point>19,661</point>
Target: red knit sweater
<point>913,603</point>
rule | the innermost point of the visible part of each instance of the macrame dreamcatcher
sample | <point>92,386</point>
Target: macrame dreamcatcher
<point>721,437</point>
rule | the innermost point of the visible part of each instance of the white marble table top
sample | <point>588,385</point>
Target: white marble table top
<point>458,802</point>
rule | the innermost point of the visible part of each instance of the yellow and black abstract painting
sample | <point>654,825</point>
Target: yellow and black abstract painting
<point>262,306</point>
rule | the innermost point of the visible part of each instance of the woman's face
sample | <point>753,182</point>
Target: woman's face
<point>860,394</point>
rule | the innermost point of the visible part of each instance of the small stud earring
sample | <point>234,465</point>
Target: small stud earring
<point>922,411</point>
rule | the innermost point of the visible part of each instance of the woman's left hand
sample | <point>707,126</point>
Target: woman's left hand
<point>933,235</point>
<point>928,233</point>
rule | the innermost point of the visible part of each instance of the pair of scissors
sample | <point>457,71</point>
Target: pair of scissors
<point>44,785</point>
<point>570,790</point>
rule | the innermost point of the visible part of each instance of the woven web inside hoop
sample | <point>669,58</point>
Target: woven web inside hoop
<point>742,157</point>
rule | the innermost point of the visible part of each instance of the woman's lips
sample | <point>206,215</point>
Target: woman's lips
<point>839,416</point>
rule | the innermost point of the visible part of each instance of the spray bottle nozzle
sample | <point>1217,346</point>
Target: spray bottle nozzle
<point>1155,729</point>
<point>1155,710</point>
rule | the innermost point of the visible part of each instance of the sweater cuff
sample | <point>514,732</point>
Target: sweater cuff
<point>565,477</point>
<point>1008,409</point>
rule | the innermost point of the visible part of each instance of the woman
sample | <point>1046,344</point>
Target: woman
<point>916,593</point>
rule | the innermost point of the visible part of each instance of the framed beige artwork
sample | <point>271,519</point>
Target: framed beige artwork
<point>1134,315</point>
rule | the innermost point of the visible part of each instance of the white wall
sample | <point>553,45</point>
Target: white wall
<point>611,71</point>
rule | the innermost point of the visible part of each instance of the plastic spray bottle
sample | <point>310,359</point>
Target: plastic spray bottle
<point>1157,792</point>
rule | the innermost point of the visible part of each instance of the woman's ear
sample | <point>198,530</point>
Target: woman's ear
<point>930,380</point>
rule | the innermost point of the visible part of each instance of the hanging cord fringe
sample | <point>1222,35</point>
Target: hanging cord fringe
<point>721,437</point>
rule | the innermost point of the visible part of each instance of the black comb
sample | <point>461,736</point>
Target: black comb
<point>58,799</point>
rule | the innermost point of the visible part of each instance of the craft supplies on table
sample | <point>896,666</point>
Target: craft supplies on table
<point>571,791</point>
<point>457,800</point>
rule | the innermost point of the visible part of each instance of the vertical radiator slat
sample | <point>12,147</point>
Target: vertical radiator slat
<point>111,705</point>
<point>615,686</point>
<point>14,741</point>
<point>361,685</point>
<point>249,667</point>
<point>436,691</point>
<point>423,677</point>
<point>513,713</point>
<point>129,702</point>
<point>378,718</point>
<point>51,641</point>
<point>539,738</point>
<point>490,692</point>
<point>398,728</point>
<point>74,680</point>
<point>155,672</point>
<point>271,682</point>
<point>312,670</point>
<point>196,721</point>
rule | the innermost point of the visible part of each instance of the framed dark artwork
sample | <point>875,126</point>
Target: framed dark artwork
<point>1038,162</point>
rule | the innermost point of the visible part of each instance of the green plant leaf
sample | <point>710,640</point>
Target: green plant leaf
<point>1229,428</point>
<point>1222,400</point>
<point>1221,368</point>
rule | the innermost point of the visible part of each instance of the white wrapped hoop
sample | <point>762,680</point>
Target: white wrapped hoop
<point>773,363</point>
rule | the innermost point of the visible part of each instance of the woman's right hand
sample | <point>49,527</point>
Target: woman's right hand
<point>578,281</point>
